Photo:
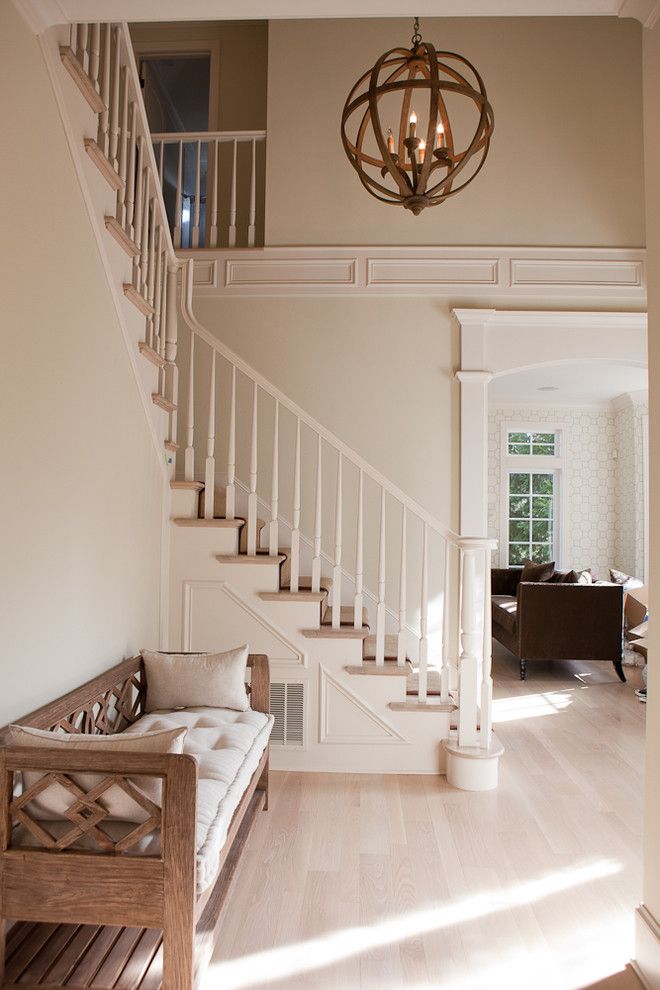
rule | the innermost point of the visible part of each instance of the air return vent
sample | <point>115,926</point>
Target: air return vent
<point>287,705</point>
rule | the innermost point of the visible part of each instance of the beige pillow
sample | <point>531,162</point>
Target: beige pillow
<point>193,680</point>
<point>52,802</point>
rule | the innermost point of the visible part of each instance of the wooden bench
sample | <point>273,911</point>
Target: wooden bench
<point>107,918</point>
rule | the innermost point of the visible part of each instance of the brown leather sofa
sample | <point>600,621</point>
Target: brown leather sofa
<point>548,620</point>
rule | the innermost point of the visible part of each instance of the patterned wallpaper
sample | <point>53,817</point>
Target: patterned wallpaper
<point>603,480</point>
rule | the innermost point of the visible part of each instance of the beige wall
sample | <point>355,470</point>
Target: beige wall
<point>243,45</point>
<point>565,166</point>
<point>80,500</point>
<point>652,163</point>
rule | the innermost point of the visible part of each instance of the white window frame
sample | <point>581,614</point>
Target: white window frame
<point>541,463</point>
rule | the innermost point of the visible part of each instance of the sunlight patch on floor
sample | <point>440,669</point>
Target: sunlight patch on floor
<point>530,705</point>
<point>291,961</point>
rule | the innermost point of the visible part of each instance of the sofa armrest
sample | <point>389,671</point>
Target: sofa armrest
<point>505,580</point>
<point>260,682</point>
<point>570,621</point>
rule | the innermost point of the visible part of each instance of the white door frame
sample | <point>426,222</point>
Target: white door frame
<point>499,342</point>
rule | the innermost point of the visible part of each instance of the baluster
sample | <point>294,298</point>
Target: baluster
<point>151,261</point>
<point>114,104</point>
<point>422,673</point>
<point>213,240</point>
<point>316,562</point>
<point>171,323</point>
<point>402,637</point>
<point>95,57</point>
<point>177,207</point>
<point>359,556</point>
<point>130,187</point>
<point>230,499</point>
<point>73,37</point>
<point>159,345</point>
<point>82,54</point>
<point>158,290</point>
<point>209,474</point>
<point>380,611</point>
<point>253,196</point>
<point>197,208</point>
<point>123,146</point>
<point>336,571</point>
<point>104,117</point>
<point>295,532</point>
<point>189,456</point>
<point>274,497</point>
<point>138,224</point>
<point>445,670</point>
<point>252,497</point>
<point>144,239</point>
<point>469,660</point>
<point>232,202</point>
<point>486,713</point>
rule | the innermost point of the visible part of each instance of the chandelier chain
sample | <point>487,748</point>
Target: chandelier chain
<point>416,38</point>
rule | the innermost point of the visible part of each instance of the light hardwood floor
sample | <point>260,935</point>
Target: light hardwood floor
<point>363,881</point>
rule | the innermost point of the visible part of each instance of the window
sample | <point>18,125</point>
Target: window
<point>531,516</point>
<point>532,444</point>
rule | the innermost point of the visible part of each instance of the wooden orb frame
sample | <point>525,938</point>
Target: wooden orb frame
<point>423,72</point>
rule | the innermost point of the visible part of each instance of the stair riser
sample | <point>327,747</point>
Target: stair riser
<point>293,616</point>
<point>207,541</point>
<point>184,504</point>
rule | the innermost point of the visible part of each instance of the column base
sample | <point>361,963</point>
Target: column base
<point>471,768</point>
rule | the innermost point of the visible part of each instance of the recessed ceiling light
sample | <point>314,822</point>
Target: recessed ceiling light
<point>548,388</point>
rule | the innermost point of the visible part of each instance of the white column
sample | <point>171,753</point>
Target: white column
<point>474,451</point>
<point>468,679</point>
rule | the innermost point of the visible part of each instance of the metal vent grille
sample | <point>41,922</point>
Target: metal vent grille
<point>287,705</point>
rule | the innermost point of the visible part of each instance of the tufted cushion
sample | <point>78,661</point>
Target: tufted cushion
<point>227,746</point>
<point>504,611</point>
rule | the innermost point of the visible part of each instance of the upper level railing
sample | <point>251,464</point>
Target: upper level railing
<point>213,187</point>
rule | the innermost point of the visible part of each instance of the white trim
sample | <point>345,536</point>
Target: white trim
<point>520,272</point>
<point>271,627</point>
<point>645,491</point>
<point>391,737</point>
<point>647,948</point>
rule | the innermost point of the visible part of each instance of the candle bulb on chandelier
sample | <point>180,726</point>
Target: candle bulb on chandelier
<point>421,152</point>
<point>413,124</point>
<point>390,141</point>
<point>440,135</point>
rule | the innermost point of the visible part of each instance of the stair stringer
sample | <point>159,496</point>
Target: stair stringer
<point>80,122</point>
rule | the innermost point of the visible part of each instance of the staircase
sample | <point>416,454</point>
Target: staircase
<point>380,656</point>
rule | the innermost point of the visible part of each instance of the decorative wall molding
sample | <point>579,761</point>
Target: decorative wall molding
<point>189,588</point>
<point>585,273</point>
<point>376,731</point>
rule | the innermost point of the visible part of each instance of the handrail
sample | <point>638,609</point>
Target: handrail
<point>174,137</point>
<point>195,326</point>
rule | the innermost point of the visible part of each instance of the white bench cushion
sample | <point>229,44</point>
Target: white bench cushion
<point>227,746</point>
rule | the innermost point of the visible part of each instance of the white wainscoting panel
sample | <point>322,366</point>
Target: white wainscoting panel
<point>345,718</point>
<point>585,273</point>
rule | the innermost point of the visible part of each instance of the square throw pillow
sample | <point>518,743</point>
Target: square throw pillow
<point>53,801</point>
<point>537,572</point>
<point>194,680</point>
<point>627,580</point>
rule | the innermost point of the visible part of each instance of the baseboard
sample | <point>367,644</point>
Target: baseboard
<point>646,963</point>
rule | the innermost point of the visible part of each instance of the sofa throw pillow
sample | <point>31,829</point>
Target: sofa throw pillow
<point>52,803</point>
<point>627,580</point>
<point>537,572</point>
<point>585,576</point>
<point>193,680</point>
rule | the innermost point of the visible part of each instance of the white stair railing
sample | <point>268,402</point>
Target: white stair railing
<point>100,58</point>
<point>212,181</point>
<point>459,652</point>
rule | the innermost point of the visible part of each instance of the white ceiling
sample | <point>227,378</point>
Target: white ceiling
<point>44,13</point>
<point>576,384</point>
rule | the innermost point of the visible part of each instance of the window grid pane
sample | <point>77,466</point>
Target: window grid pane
<point>531,516</point>
<point>521,443</point>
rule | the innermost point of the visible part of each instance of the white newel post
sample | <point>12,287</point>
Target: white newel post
<point>230,495</point>
<point>359,556</point>
<point>401,637</point>
<point>273,535</point>
<point>336,571</point>
<point>380,608</point>
<point>189,456</point>
<point>209,474</point>
<point>469,660</point>
<point>318,521</point>
<point>252,497</point>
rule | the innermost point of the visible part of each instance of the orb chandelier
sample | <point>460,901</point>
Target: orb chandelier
<point>412,117</point>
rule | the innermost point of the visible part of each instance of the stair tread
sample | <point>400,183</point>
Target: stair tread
<point>285,595</point>
<point>327,632</point>
<point>191,486</point>
<point>378,670</point>
<point>414,706</point>
<point>261,557</point>
<point>208,523</point>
